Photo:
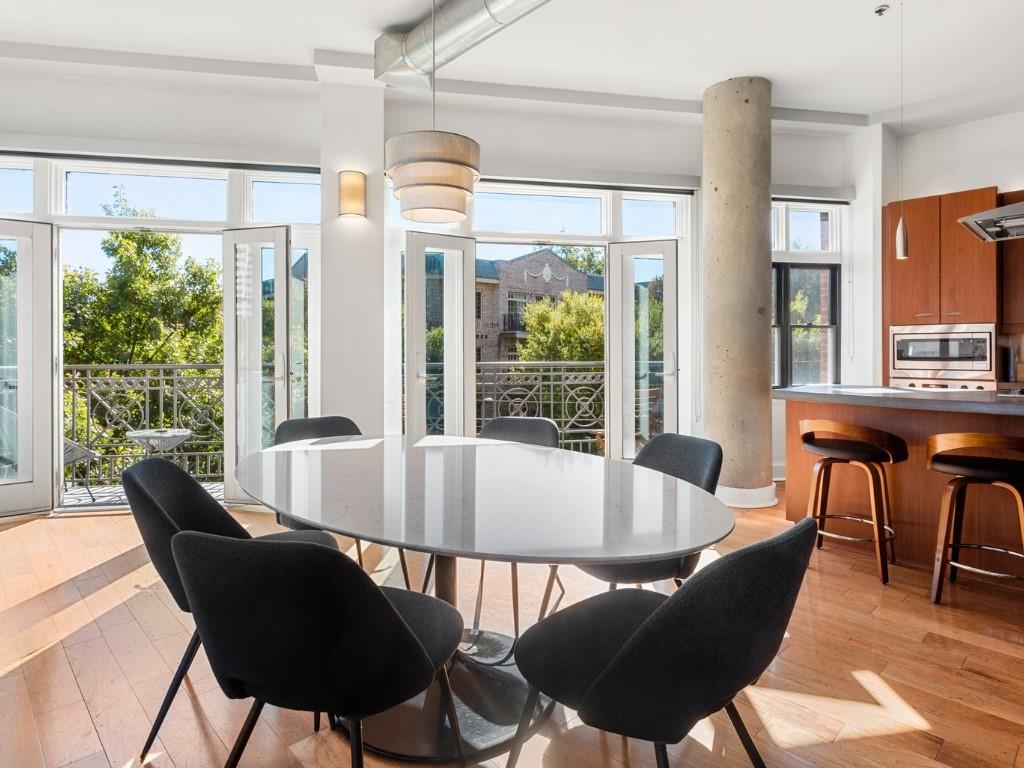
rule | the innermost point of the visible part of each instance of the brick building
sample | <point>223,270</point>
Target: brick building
<point>503,290</point>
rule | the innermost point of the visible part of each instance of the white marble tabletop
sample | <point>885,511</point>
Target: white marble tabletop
<point>486,499</point>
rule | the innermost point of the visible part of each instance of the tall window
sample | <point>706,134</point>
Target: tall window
<point>805,324</point>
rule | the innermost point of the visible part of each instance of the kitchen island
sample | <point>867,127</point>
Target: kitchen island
<point>991,516</point>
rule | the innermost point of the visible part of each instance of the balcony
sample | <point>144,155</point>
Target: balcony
<point>513,323</point>
<point>102,403</point>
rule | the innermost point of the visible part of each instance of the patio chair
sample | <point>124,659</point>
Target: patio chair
<point>75,453</point>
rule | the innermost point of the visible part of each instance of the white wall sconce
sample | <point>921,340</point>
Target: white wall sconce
<point>351,193</point>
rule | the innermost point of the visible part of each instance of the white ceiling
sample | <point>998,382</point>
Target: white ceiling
<point>820,54</point>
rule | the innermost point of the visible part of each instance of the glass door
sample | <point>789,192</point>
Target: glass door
<point>440,368</point>
<point>642,345</point>
<point>259,371</point>
<point>27,402</point>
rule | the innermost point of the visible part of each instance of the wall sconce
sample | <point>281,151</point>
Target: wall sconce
<point>351,193</point>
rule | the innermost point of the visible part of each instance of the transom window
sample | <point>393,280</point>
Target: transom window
<point>15,189</point>
<point>805,227</point>
<point>121,194</point>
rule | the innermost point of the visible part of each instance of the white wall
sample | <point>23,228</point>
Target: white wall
<point>978,154</point>
<point>111,111</point>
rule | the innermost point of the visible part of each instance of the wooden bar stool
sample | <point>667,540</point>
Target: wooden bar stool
<point>968,469</point>
<point>870,450</point>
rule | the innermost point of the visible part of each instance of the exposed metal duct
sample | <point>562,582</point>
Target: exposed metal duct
<point>460,25</point>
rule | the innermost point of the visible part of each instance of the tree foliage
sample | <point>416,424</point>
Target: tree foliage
<point>586,259</point>
<point>435,344</point>
<point>572,329</point>
<point>154,305</point>
<point>8,306</point>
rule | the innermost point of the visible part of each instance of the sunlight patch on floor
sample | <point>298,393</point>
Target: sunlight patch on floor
<point>889,715</point>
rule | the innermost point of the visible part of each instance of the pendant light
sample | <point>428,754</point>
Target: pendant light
<point>433,172</point>
<point>902,252</point>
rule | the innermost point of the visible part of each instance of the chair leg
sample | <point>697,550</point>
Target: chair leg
<point>359,553</point>
<point>877,513</point>
<point>887,505</point>
<point>453,714</point>
<point>744,734</point>
<point>524,726</point>
<point>959,502</point>
<point>944,534</point>
<point>552,580</point>
<point>316,722</point>
<point>244,734</point>
<point>355,740</point>
<point>405,568</point>
<point>814,498</point>
<point>172,690</point>
<point>426,576</point>
<point>660,755</point>
<point>515,599</point>
<point>479,607</point>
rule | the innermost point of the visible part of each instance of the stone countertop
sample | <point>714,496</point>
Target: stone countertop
<point>957,401</point>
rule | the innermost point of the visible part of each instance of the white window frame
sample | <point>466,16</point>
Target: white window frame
<point>835,253</point>
<point>250,177</point>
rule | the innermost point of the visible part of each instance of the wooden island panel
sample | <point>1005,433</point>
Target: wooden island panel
<point>916,491</point>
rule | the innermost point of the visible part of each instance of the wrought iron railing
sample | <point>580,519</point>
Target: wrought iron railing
<point>104,402</point>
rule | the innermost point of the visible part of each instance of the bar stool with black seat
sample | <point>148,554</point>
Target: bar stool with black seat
<point>998,471</point>
<point>869,450</point>
<point>165,500</point>
<point>340,644</point>
<point>649,666</point>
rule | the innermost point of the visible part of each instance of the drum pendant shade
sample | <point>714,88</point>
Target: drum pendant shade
<point>433,173</point>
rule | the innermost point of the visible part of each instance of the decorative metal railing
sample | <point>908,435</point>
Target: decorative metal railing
<point>570,393</point>
<point>104,402</point>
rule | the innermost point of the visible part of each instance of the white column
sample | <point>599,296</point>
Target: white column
<point>352,257</point>
<point>736,206</point>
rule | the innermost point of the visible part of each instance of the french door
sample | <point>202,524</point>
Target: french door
<point>265,360</point>
<point>27,367</point>
<point>642,348</point>
<point>440,342</point>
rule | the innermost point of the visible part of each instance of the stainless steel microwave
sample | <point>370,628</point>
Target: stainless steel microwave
<point>960,352</point>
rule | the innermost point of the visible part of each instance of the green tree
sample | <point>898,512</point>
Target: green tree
<point>572,329</point>
<point>435,344</point>
<point>586,259</point>
<point>8,306</point>
<point>154,305</point>
<point>649,319</point>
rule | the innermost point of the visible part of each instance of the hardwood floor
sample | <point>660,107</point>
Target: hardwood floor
<point>868,675</point>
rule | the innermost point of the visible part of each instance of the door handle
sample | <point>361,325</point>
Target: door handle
<point>426,376</point>
<point>952,313</point>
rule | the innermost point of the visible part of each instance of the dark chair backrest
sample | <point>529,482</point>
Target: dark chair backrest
<point>164,500</point>
<point>298,625</point>
<point>313,427</point>
<point>692,459</point>
<point>713,637</point>
<point>532,430</point>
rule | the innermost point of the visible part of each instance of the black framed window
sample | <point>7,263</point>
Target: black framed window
<point>478,305</point>
<point>805,324</point>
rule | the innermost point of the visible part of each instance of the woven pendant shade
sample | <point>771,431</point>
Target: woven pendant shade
<point>433,173</point>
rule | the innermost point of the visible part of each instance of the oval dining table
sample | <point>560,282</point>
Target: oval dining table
<point>456,497</point>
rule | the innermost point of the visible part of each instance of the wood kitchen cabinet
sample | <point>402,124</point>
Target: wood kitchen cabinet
<point>913,285</point>
<point>1012,278</point>
<point>969,268</point>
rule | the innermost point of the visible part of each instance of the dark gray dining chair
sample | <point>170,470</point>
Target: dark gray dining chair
<point>529,430</point>
<point>364,648</point>
<point>165,500</point>
<point>649,666</point>
<point>692,459</point>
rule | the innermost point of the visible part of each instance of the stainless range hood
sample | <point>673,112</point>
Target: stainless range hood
<point>1003,223</point>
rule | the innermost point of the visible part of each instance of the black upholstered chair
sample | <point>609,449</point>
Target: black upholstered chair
<point>692,459</point>
<point>647,666</point>
<point>530,430</point>
<point>311,428</point>
<point>165,500</point>
<point>363,648</point>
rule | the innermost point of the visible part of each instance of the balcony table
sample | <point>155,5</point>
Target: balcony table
<point>158,440</point>
<point>482,499</point>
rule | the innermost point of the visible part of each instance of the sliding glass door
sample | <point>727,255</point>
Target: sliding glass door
<point>642,345</point>
<point>440,392</point>
<point>27,404</point>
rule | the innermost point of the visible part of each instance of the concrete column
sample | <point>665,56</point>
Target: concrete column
<point>352,269</point>
<point>736,210</point>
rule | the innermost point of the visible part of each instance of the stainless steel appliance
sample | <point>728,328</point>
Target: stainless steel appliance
<point>943,356</point>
